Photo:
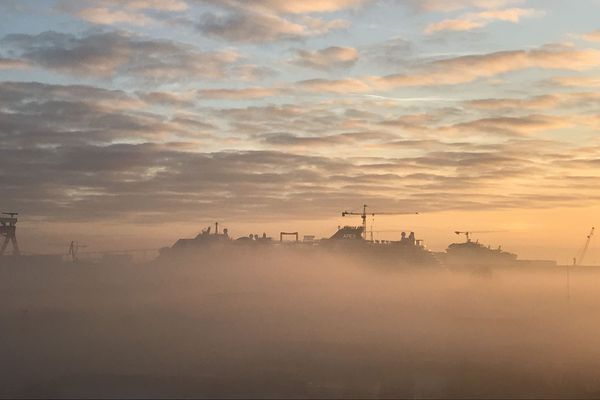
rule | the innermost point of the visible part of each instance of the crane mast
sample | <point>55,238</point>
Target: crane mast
<point>579,261</point>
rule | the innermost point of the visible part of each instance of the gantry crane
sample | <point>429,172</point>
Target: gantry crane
<point>579,260</point>
<point>74,250</point>
<point>8,229</point>
<point>363,215</point>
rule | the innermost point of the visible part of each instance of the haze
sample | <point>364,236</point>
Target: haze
<point>467,129</point>
<point>283,324</point>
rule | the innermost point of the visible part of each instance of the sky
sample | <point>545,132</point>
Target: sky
<point>134,123</point>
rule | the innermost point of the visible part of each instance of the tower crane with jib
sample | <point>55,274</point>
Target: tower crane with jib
<point>579,260</point>
<point>363,215</point>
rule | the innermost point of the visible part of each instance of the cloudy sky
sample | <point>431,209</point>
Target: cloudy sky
<point>146,119</point>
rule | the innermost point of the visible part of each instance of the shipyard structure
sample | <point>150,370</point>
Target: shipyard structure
<point>353,242</point>
<point>350,241</point>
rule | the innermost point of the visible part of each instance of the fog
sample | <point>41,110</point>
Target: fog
<point>282,324</point>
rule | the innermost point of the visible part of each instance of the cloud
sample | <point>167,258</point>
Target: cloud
<point>112,54</point>
<point>239,94</point>
<point>456,25</point>
<point>11,63</point>
<point>464,69</point>
<point>456,5</point>
<point>37,115</point>
<point>110,12</point>
<point>327,59</point>
<point>512,126</point>
<point>333,86</point>
<point>107,16</point>
<point>293,7</point>
<point>544,101</point>
<point>19,96</point>
<point>168,98</point>
<point>592,36</point>
<point>82,153</point>
<point>254,27</point>
<point>341,139</point>
<point>312,6</point>
<point>391,52</point>
<point>162,5</point>
<point>576,81</point>
<point>481,19</point>
<point>319,26</point>
<point>251,72</point>
<point>547,101</point>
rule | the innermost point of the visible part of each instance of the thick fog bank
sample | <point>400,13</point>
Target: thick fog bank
<point>310,326</point>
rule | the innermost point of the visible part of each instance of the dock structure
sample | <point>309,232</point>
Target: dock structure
<point>8,229</point>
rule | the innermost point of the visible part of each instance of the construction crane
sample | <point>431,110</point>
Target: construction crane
<point>469,233</point>
<point>363,215</point>
<point>579,260</point>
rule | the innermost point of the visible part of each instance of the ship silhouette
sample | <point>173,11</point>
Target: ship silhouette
<point>350,241</point>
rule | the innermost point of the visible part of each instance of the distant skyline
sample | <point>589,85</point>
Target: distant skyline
<point>151,118</point>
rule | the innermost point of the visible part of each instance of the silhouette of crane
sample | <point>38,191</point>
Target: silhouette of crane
<point>363,215</point>
<point>8,229</point>
<point>579,260</point>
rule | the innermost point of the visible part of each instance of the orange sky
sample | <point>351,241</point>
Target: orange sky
<point>555,234</point>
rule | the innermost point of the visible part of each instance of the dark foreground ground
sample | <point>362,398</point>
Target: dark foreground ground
<point>284,327</point>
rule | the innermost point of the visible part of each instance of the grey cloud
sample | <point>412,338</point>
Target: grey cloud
<point>512,126</point>
<point>329,58</point>
<point>88,182</point>
<point>65,154</point>
<point>469,68</point>
<point>390,53</point>
<point>348,138</point>
<point>12,63</point>
<point>252,72</point>
<point>113,54</point>
<point>291,7</point>
<point>247,26</point>
<point>546,101</point>
<point>166,98</point>
<point>128,179</point>
<point>35,114</point>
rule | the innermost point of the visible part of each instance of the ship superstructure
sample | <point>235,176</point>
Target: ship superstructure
<point>472,255</point>
<point>346,241</point>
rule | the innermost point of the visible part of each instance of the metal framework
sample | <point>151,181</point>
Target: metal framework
<point>282,234</point>
<point>363,215</point>
<point>8,229</point>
